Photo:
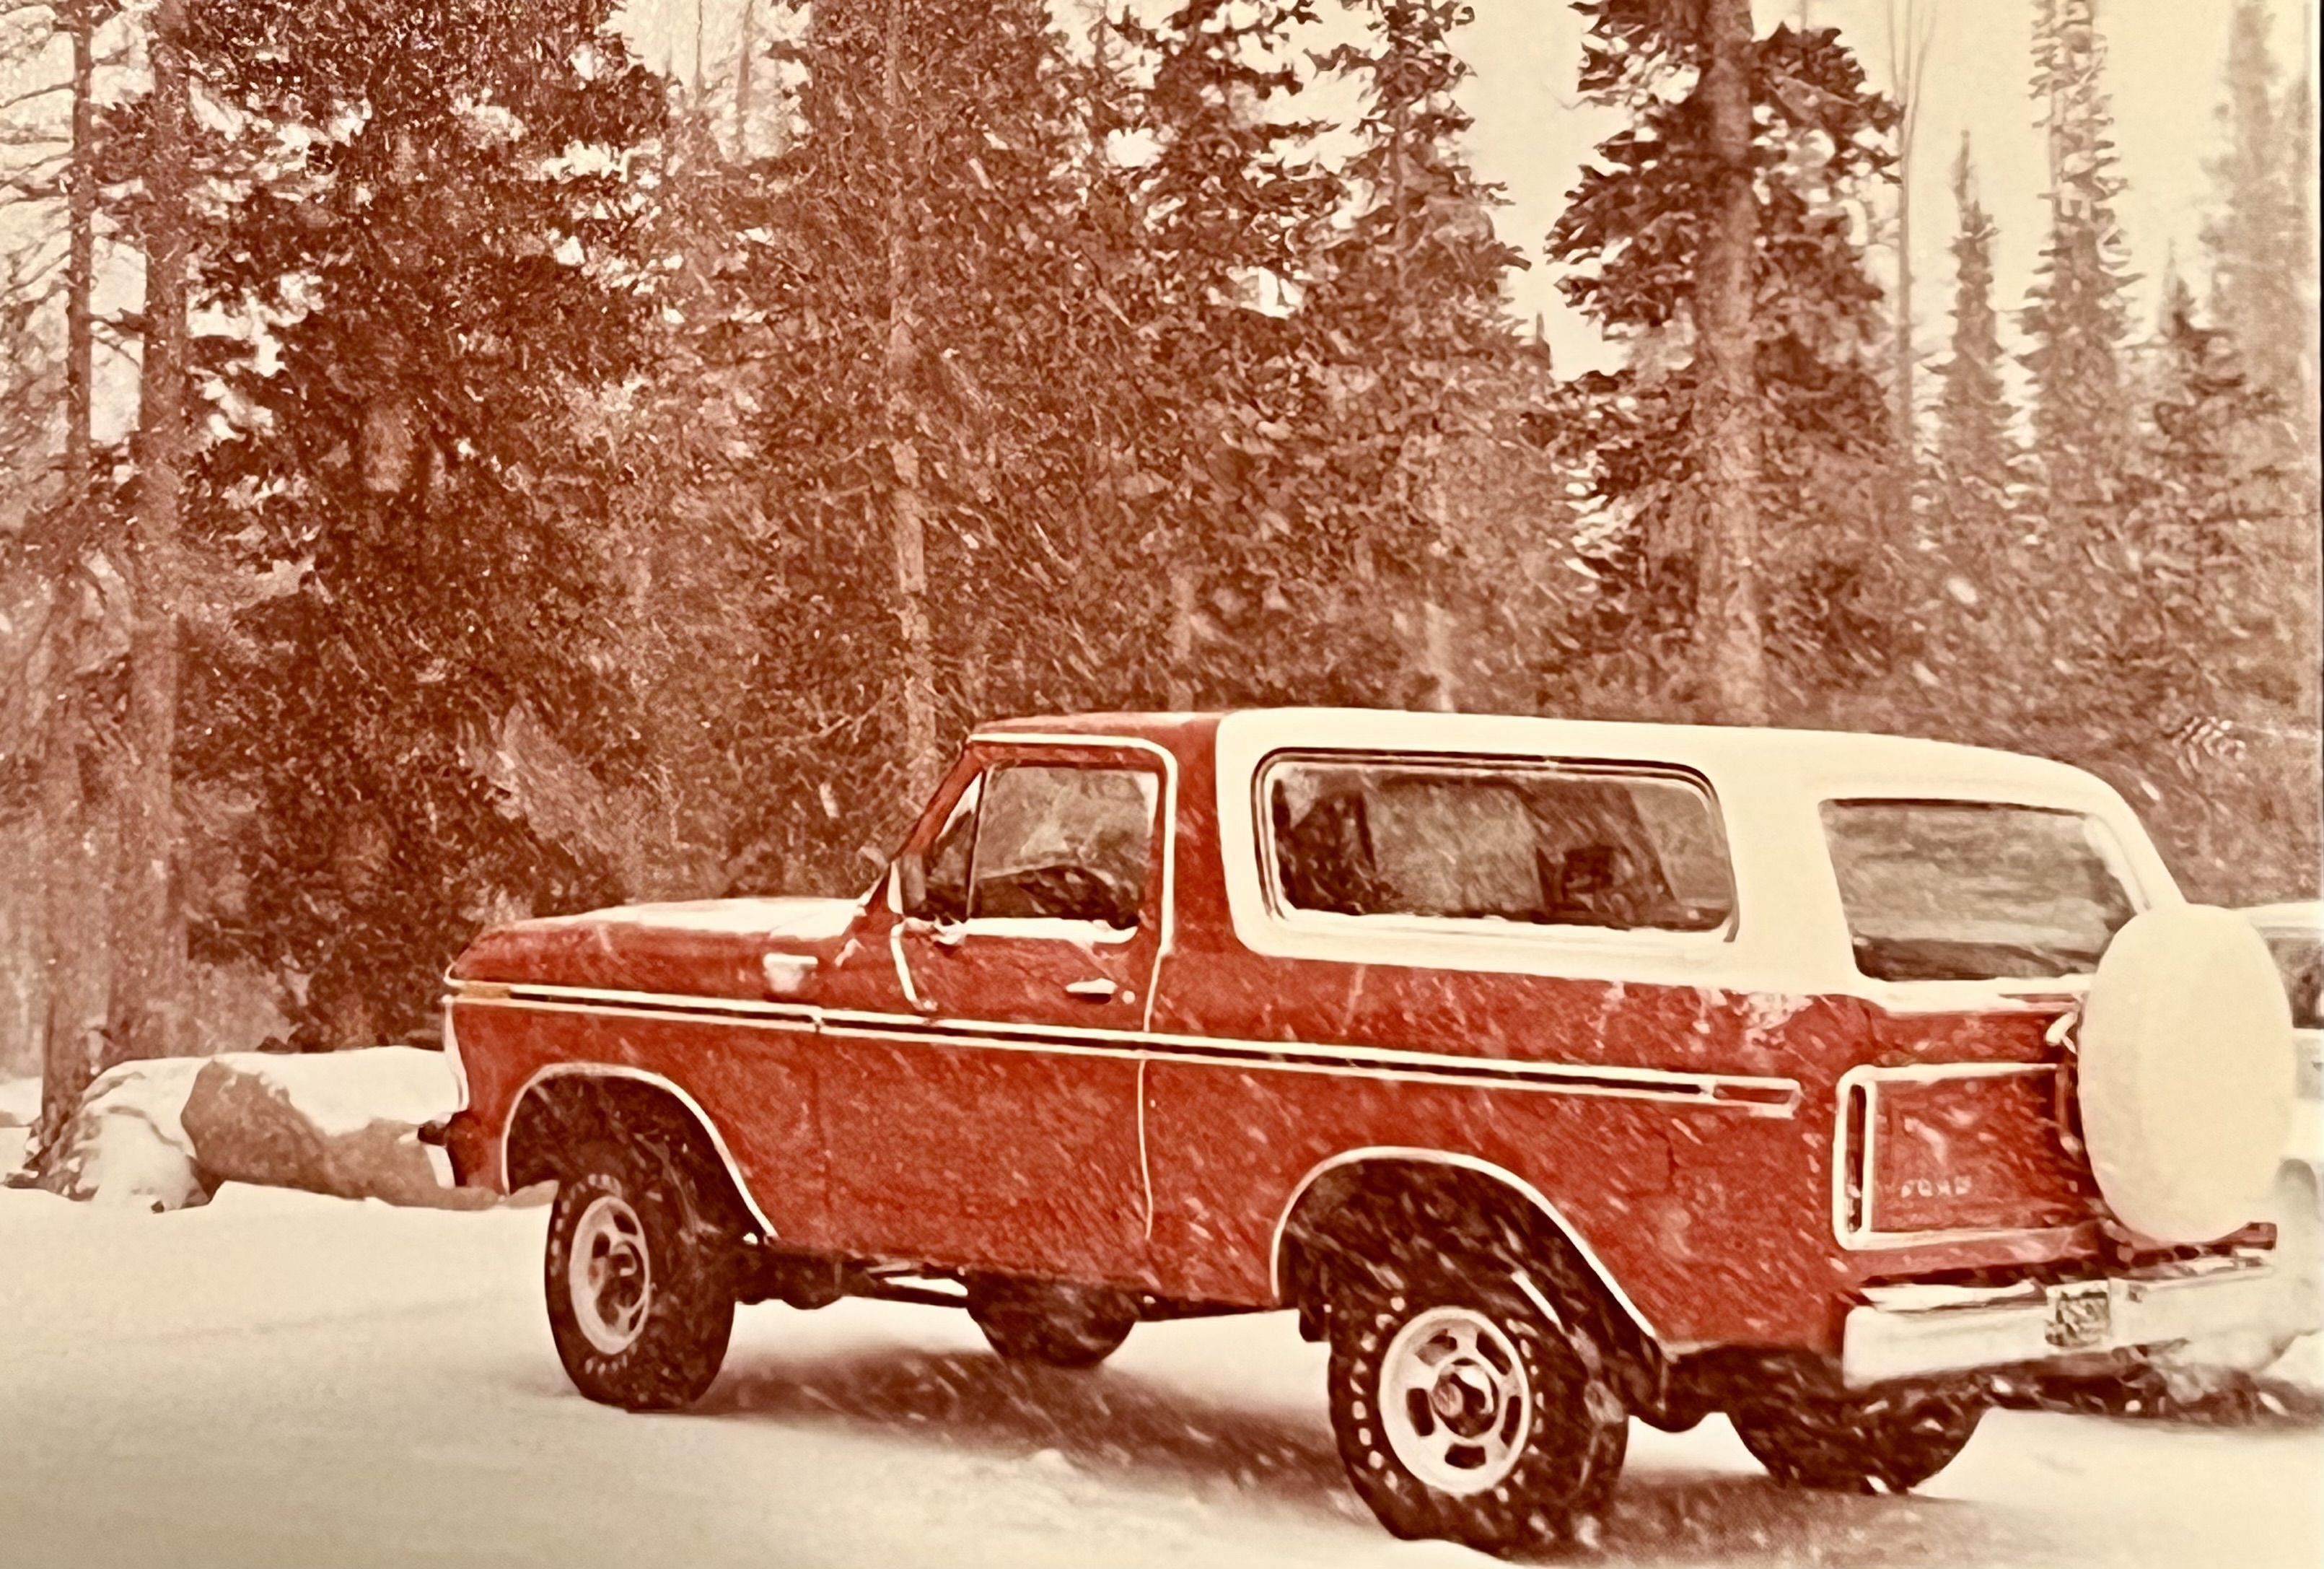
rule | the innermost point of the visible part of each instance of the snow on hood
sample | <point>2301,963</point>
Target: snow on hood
<point>799,918</point>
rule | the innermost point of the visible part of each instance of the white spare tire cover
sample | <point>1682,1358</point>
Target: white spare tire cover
<point>2185,1071</point>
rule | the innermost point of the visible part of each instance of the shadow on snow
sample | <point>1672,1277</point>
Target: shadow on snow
<point>1125,1427</point>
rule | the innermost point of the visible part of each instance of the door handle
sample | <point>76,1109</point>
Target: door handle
<point>1099,989</point>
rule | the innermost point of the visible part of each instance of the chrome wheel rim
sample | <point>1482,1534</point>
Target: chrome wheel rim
<point>609,1275</point>
<point>1455,1402</point>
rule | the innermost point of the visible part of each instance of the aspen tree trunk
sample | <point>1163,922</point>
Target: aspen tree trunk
<point>907,509</point>
<point>148,940</point>
<point>1726,413</point>
<point>73,979</point>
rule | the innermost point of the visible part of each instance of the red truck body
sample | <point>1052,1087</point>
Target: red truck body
<point>1146,1111</point>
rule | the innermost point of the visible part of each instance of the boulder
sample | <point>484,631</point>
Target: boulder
<point>125,1144</point>
<point>246,1128</point>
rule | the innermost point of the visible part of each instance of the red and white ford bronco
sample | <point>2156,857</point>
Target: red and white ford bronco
<point>1556,1073</point>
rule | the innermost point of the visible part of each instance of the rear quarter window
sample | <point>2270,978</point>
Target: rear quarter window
<point>1974,890</point>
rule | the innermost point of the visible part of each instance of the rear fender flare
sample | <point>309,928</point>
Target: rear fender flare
<point>1532,1197</point>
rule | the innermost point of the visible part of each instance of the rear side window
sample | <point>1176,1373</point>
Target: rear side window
<point>1974,890</point>
<point>1531,845</point>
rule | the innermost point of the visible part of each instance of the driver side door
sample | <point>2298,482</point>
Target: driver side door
<point>1007,1133</point>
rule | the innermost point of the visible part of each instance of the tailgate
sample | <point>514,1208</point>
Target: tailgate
<point>1930,1152</point>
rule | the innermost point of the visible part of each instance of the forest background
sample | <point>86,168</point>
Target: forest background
<point>471,458</point>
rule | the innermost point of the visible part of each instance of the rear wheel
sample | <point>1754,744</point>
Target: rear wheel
<point>1066,1326</point>
<point>641,1298</point>
<point>1465,1410</point>
<point>1855,1443</point>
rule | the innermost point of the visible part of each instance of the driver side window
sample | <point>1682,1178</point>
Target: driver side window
<point>1067,843</point>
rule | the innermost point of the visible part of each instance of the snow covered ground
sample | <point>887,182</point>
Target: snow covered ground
<point>283,1379</point>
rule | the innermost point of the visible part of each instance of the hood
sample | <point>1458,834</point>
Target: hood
<point>706,948</point>
<point>802,919</point>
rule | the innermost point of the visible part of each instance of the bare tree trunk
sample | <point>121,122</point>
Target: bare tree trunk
<point>1438,626</point>
<point>1909,48</point>
<point>71,1030</point>
<point>1726,414</point>
<point>744,67</point>
<point>907,514</point>
<point>73,1025</point>
<point>148,939</point>
<point>1904,348</point>
<point>1180,691</point>
<point>1397,182</point>
<point>700,102</point>
<point>80,264</point>
<point>1903,438</point>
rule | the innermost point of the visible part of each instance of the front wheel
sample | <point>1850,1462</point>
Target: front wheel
<point>640,1301</point>
<point>1465,1411</point>
<point>1855,1443</point>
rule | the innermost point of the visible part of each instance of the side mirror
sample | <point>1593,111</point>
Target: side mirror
<point>911,882</point>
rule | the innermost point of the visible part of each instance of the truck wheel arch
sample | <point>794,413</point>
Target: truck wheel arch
<point>564,1103</point>
<point>1444,1177</point>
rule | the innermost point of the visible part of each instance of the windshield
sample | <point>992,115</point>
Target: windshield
<point>2300,956</point>
<point>1970,890</point>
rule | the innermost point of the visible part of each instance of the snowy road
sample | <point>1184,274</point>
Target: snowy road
<point>285,1380</point>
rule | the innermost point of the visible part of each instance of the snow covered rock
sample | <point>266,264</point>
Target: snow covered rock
<point>126,1145</point>
<point>164,1134</point>
<point>345,1124</point>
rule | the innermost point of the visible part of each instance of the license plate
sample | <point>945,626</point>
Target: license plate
<point>2081,1316</point>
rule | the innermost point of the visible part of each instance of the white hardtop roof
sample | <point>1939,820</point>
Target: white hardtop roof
<point>1823,759</point>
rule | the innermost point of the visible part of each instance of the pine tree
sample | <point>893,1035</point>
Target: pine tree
<point>446,278</point>
<point>915,429</point>
<point>2196,630</point>
<point>690,549</point>
<point>2076,318</point>
<point>1976,454</point>
<point>2253,239</point>
<point>1228,210</point>
<point>1636,238</point>
<point>1413,297</point>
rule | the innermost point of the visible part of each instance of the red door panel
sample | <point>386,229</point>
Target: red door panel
<point>992,1120</point>
<point>968,1154</point>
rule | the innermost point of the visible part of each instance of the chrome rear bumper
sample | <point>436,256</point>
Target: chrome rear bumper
<point>1905,1332</point>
